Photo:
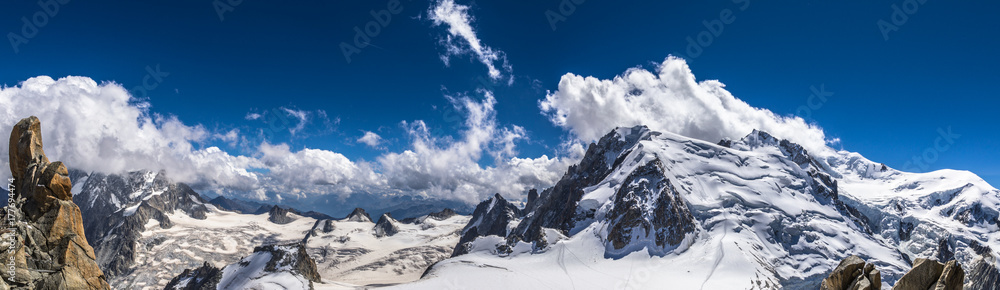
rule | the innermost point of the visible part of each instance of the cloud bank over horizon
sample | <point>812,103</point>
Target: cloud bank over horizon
<point>101,128</point>
<point>669,99</point>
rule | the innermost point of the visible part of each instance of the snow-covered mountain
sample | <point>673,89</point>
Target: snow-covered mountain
<point>646,209</point>
<point>147,230</point>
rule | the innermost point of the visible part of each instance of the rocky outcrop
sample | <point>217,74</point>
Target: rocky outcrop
<point>267,268</point>
<point>279,216</point>
<point>532,198</point>
<point>51,249</point>
<point>983,275</point>
<point>358,215</point>
<point>204,278</point>
<point>386,226</point>
<point>442,215</point>
<point>491,217</point>
<point>854,274</point>
<point>631,221</point>
<point>930,274</point>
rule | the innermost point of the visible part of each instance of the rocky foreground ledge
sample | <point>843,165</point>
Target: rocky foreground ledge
<point>854,273</point>
<point>44,237</point>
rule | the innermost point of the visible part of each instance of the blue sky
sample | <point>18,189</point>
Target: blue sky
<point>889,96</point>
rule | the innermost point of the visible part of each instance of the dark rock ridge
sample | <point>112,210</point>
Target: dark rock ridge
<point>279,216</point>
<point>291,258</point>
<point>668,223</point>
<point>319,228</point>
<point>532,197</point>
<point>438,215</point>
<point>203,278</point>
<point>853,274</point>
<point>358,215</point>
<point>491,217</point>
<point>51,250</point>
<point>386,226</point>
<point>983,275</point>
<point>443,214</point>
<point>556,207</point>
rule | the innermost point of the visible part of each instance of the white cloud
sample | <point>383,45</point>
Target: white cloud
<point>252,116</point>
<point>302,116</point>
<point>462,39</point>
<point>99,127</point>
<point>669,100</point>
<point>436,167</point>
<point>371,139</point>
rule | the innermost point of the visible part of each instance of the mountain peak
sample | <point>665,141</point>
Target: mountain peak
<point>358,215</point>
<point>386,226</point>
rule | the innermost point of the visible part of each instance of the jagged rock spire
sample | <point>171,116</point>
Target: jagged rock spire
<point>58,255</point>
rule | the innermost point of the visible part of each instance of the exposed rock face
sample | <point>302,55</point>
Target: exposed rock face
<point>490,218</point>
<point>983,275</point>
<point>386,226</point>
<point>930,274</point>
<point>52,251</point>
<point>442,215</point>
<point>556,207</point>
<point>630,219</point>
<point>117,208</point>
<point>261,270</point>
<point>853,273</point>
<point>358,215</point>
<point>204,278</point>
<point>532,198</point>
<point>279,216</point>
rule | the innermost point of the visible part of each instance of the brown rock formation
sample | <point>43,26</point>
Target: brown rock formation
<point>853,273</point>
<point>930,274</point>
<point>50,249</point>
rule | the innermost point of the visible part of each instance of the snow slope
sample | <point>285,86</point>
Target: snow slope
<point>766,214</point>
<point>220,239</point>
<point>353,255</point>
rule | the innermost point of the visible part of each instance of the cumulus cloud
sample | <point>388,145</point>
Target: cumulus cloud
<point>669,99</point>
<point>101,128</point>
<point>462,39</point>
<point>371,139</point>
<point>435,167</point>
